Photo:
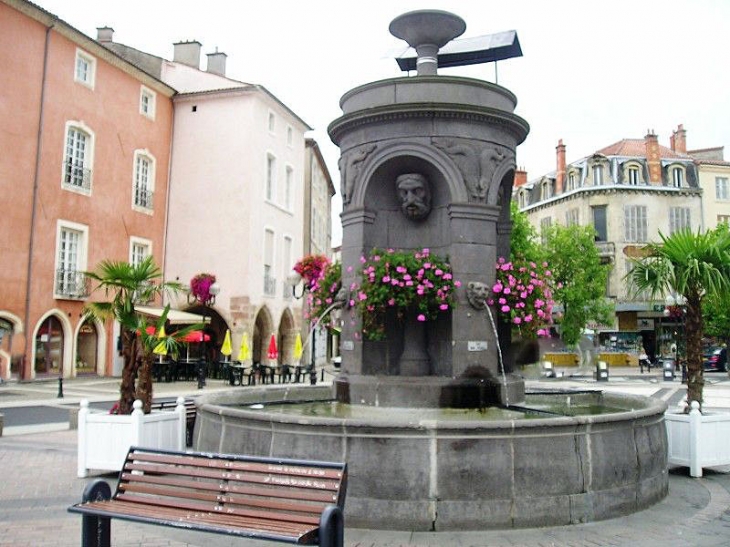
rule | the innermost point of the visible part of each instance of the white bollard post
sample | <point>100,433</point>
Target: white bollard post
<point>181,412</point>
<point>695,465</point>
<point>137,415</point>
<point>81,470</point>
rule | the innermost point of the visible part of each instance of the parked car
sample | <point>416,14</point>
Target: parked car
<point>715,360</point>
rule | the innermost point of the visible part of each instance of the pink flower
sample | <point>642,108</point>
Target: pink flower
<point>439,272</point>
<point>362,296</point>
<point>363,260</point>
<point>517,320</point>
<point>391,302</point>
<point>497,287</point>
<point>457,283</point>
<point>444,307</point>
<point>386,279</point>
<point>505,309</point>
<point>421,317</point>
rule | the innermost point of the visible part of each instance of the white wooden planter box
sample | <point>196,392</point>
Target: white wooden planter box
<point>104,439</point>
<point>698,440</point>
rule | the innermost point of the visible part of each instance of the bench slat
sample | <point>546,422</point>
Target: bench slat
<point>226,500</point>
<point>222,522</point>
<point>233,488</point>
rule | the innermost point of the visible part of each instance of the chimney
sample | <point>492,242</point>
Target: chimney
<point>217,63</point>
<point>560,174</point>
<point>188,53</point>
<point>679,140</point>
<point>104,34</point>
<point>520,177</point>
<point>651,144</point>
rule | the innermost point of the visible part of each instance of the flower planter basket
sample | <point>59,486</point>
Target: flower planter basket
<point>104,439</point>
<point>698,440</point>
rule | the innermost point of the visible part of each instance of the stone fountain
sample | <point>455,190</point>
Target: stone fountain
<point>436,428</point>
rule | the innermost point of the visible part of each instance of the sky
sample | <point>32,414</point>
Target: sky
<point>592,73</point>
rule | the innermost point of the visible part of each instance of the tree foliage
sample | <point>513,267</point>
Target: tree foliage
<point>126,284</point>
<point>697,267</point>
<point>524,240</point>
<point>579,279</point>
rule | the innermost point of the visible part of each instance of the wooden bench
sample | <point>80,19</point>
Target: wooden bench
<point>290,501</point>
<point>191,412</point>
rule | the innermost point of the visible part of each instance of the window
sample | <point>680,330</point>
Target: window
<point>678,219</point>
<point>545,190</point>
<point>572,181</point>
<point>599,223</point>
<point>270,177</point>
<point>288,188</point>
<point>721,188</point>
<point>545,224</point>
<point>635,227</point>
<point>522,199</point>
<point>723,219</point>
<point>85,68</point>
<point>147,102</point>
<point>139,249</point>
<point>272,122</point>
<point>597,171</point>
<point>77,159</point>
<point>677,177</point>
<point>71,260</point>
<point>289,136</point>
<point>572,217</point>
<point>269,279</point>
<point>144,177</point>
<point>632,176</point>
<point>287,265</point>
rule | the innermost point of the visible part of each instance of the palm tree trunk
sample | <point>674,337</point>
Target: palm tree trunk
<point>129,372</point>
<point>693,331</point>
<point>144,382</point>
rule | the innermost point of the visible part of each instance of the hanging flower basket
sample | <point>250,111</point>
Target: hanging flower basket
<point>200,286</point>
<point>312,269</point>
<point>418,282</point>
<point>522,296</point>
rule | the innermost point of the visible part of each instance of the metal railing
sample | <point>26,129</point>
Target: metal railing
<point>76,175</point>
<point>269,285</point>
<point>143,197</point>
<point>71,284</point>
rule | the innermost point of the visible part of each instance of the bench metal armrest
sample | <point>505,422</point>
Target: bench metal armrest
<point>332,527</point>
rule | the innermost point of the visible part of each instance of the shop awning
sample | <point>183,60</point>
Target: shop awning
<point>174,317</point>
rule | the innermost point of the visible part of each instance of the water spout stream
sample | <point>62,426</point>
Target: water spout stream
<point>317,321</point>
<point>499,354</point>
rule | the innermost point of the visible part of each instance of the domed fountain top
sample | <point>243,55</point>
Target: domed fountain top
<point>426,31</point>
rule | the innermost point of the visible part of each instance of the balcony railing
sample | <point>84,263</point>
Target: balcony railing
<point>269,285</point>
<point>71,284</point>
<point>143,197</point>
<point>286,290</point>
<point>77,175</point>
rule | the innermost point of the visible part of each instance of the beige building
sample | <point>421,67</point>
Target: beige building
<point>714,175</point>
<point>630,192</point>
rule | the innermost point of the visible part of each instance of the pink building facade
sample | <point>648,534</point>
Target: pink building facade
<point>87,140</point>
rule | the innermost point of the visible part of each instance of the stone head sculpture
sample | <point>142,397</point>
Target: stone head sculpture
<point>414,194</point>
<point>477,294</point>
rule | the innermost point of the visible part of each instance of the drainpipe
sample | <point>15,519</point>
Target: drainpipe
<point>169,194</point>
<point>34,207</point>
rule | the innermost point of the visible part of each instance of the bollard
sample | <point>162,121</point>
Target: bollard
<point>201,373</point>
<point>313,377</point>
<point>60,388</point>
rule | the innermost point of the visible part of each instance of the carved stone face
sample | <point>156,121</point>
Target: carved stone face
<point>414,194</point>
<point>477,294</point>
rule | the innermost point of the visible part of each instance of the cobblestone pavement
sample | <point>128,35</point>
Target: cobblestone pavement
<point>38,482</point>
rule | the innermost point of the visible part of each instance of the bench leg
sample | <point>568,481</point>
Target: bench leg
<point>96,531</point>
<point>332,527</point>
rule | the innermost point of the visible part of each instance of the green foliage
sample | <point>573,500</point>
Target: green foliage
<point>579,279</point>
<point>695,265</point>
<point>127,284</point>
<point>524,240</point>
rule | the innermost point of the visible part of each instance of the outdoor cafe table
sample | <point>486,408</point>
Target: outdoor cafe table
<point>232,370</point>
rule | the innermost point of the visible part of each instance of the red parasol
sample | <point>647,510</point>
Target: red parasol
<point>194,336</point>
<point>273,352</point>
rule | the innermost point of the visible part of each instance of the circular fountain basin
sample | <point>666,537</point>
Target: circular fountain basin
<point>575,457</point>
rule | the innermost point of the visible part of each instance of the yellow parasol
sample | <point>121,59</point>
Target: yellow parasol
<point>161,348</point>
<point>226,347</point>
<point>298,348</point>
<point>244,354</point>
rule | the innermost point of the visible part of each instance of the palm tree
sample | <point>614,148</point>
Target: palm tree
<point>695,266</point>
<point>127,284</point>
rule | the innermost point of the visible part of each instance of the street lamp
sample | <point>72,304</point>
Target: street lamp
<point>205,300</point>
<point>674,309</point>
<point>295,280</point>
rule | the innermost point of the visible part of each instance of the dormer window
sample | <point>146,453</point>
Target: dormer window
<point>545,190</point>
<point>597,172</point>
<point>572,184</point>
<point>677,177</point>
<point>522,199</point>
<point>632,176</point>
